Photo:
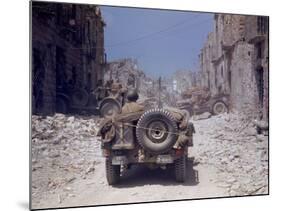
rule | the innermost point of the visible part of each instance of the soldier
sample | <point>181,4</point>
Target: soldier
<point>100,91</point>
<point>118,92</point>
<point>132,105</point>
<point>108,85</point>
<point>185,134</point>
<point>131,80</point>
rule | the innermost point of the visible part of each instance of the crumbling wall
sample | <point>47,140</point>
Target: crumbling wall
<point>243,93</point>
<point>230,59</point>
<point>183,80</point>
<point>127,72</point>
<point>43,65</point>
<point>266,80</point>
<point>206,56</point>
<point>67,51</point>
<point>233,29</point>
<point>257,35</point>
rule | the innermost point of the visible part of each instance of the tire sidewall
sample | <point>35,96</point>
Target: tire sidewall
<point>219,102</point>
<point>107,103</point>
<point>142,134</point>
<point>112,172</point>
<point>181,168</point>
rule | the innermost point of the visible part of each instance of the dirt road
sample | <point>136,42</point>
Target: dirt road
<point>137,185</point>
<point>216,167</point>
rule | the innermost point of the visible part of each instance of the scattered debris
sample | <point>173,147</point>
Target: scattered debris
<point>205,115</point>
<point>227,143</point>
<point>90,169</point>
<point>57,145</point>
<point>241,161</point>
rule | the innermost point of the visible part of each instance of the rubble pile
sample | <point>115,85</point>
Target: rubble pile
<point>64,148</point>
<point>230,143</point>
<point>66,159</point>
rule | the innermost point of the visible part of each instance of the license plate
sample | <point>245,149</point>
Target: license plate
<point>164,159</point>
<point>119,160</point>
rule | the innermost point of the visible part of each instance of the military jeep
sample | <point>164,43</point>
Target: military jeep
<point>215,105</point>
<point>155,138</point>
<point>78,100</point>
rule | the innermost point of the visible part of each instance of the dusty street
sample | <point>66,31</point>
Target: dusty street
<point>227,159</point>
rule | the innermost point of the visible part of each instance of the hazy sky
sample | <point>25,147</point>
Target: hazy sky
<point>162,41</point>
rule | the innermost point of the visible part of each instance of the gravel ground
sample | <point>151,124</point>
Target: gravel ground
<point>64,149</point>
<point>228,159</point>
<point>229,143</point>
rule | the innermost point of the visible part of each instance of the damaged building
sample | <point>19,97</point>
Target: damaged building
<point>184,80</point>
<point>127,72</point>
<point>124,71</point>
<point>67,53</point>
<point>234,61</point>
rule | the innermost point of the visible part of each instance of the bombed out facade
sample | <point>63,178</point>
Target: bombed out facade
<point>125,71</point>
<point>184,80</point>
<point>67,52</point>
<point>234,61</point>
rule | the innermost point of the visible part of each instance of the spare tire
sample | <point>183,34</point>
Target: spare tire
<point>109,107</point>
<point>157,131</point>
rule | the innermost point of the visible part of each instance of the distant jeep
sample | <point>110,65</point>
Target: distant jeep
<point>155,137</point>
<point>215,105</point>
<point>79,100</point>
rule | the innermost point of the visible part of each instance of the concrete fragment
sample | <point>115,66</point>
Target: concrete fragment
<point>205,115</point>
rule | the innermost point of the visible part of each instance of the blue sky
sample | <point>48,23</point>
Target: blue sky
<point>162,41</point>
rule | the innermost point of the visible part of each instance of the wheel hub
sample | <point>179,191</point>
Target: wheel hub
<point>157,131</point>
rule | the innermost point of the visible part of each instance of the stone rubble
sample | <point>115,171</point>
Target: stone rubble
<point>64,148</point>
<point>229,142</point>
<point>66,153</point>
<point>204,115</point>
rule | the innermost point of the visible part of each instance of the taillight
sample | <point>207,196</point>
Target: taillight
<point>105,152</point>
<point>179,152</point>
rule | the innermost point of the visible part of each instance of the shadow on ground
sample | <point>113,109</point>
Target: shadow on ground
<point>141,175</point>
